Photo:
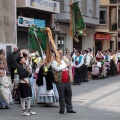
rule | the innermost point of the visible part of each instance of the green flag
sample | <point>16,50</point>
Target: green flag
<point>76,21</point>
<point>37,39</point>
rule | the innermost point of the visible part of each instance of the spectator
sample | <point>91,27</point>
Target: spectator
<point>13,61</point>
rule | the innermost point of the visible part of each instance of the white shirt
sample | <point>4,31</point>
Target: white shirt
<point>58,67</point>
<point>88,58</point>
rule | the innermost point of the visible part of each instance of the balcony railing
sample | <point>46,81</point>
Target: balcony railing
<point>113,27</point>
<point>113,1</point>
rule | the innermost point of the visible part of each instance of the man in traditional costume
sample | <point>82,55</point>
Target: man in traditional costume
<point>24,86</point>
<point>61,73</point>
<point>78,62</point>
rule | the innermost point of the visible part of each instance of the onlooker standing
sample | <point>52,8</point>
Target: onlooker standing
<point>13,61</point>
<point>2,57</point>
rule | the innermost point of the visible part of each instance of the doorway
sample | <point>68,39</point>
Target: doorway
<point>98,46</point>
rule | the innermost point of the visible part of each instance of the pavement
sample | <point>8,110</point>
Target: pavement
<point>94,100</point>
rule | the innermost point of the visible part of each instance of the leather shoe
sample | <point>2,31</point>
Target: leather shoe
<point>61,112</point>
<point>71,111</point>
<point>79,83</point>
<point>74,84</point>
<point>85,80</point>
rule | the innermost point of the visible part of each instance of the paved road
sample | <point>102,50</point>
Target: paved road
<point>95,100</point>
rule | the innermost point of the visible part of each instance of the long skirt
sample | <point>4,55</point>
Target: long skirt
<point>47,96</point>
<point>118,67</point>
<point>33,88</point>
<point>113,69</point>
<point>5,96</point>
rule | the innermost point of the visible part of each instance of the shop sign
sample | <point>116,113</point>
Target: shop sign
<point>46,5</point>
<point>27,22</point>
<point>100,36</point>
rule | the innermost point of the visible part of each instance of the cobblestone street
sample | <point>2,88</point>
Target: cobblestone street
<point>95,100</point>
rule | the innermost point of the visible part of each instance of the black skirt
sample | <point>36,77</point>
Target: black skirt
<point>25,90</point>
<point>90,69</point>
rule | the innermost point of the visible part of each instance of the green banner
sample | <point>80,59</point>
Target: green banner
<point>77,22</point>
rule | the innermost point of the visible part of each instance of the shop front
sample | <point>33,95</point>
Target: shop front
<point>39,13</point>
<point>102,41</point>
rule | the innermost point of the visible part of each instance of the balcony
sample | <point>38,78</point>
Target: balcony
<point>113,27</point>
<point>114,1</point>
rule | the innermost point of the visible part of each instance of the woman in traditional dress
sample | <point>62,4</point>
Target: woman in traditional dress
<point>47,92</point>
<point>118,64</point>
<point>100,63</point>
<point>5,94</point>
<point>113,63</point>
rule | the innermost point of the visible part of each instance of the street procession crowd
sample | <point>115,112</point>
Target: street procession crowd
<point>31,79</point>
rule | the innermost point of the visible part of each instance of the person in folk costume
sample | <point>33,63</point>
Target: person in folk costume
<point>61,73</point>
<point>5,94</point>
<point>47,92</point>
<point>24,86</point>
<point>2,57</point>
<point>79,60</point>
<point>36,62</point>
<point>32,80</point>
<point>113,63</point>
<point>118,63</point>
<point>85,65</point>
<point>90,53</point>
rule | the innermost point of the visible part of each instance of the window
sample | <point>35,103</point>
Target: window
<point>103,13</point>
<point>94,4</point>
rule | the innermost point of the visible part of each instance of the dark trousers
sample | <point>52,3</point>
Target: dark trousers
<point>78,75</point>
<point>12,74</point>
<point>65,96</point>
<point>85,72</point>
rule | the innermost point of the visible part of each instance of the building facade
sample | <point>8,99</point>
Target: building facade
<point>8,35</point>
<point>38,12</point>
<point>107,34</point>
<point>90,11</point>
